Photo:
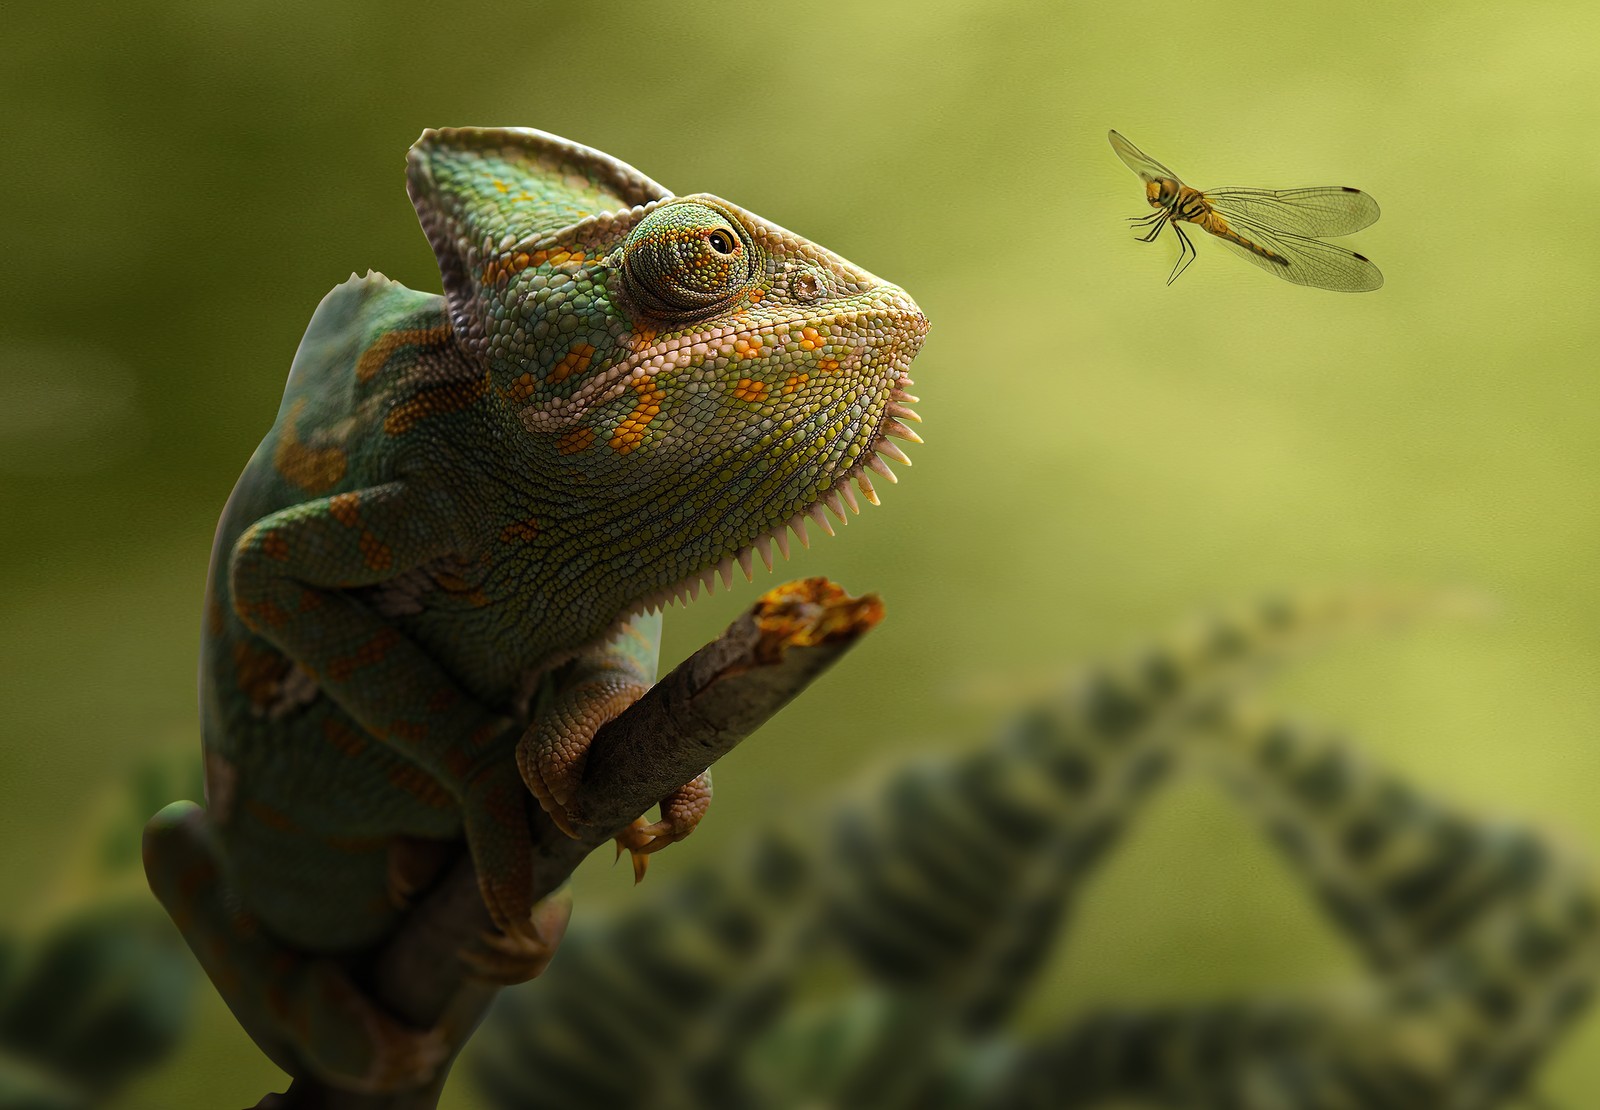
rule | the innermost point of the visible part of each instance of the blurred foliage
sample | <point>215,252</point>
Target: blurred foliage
<point>96,984</point>
<point>872,952</point>
<point>184,181</point>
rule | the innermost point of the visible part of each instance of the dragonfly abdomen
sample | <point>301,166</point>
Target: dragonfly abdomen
<point>1216,225</point>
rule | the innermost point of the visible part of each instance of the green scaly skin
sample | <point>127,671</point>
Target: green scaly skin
<point>436,578</point>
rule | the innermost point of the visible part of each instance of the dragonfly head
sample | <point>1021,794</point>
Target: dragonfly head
<point>1161,192</point>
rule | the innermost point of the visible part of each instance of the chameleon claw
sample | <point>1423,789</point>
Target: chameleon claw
<point>681,812</point>
<point>639,858</point>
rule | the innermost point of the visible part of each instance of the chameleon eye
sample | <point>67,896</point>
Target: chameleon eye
<point>685,260</point>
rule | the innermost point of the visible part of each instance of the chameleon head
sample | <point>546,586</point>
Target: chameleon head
<point>692,378</point>
<point>769,375</point>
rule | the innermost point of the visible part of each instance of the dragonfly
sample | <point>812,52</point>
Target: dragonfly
<point>1279,230</point>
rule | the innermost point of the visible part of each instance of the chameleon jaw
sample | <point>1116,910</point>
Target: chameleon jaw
<point>842,494</point>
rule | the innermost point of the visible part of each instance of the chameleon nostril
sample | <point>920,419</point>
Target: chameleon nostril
<point>807,287</point>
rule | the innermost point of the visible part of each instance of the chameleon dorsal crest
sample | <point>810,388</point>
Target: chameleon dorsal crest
<point>486,195</point>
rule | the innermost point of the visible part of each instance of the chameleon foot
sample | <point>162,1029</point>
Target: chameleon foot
<point>681,812</point>
<point>551,754</point>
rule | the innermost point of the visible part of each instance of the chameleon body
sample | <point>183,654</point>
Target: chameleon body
<point>438,575</point>
<point>945,887</point>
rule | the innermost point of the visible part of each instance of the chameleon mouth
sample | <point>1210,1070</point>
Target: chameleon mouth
<point>839,499</point>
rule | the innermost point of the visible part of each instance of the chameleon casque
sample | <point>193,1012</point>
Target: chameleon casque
<point>441,572</point>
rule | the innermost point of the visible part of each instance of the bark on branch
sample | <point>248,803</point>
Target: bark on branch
<point>689,720</point>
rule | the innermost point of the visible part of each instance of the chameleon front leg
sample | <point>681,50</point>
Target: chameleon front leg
<point>290,576</point>
<point>589,692</point>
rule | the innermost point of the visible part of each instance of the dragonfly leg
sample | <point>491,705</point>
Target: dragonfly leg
<point>1160,219</point>
<point>1186,254</point>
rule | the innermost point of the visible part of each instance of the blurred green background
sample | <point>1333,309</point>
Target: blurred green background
<point>183,181</point>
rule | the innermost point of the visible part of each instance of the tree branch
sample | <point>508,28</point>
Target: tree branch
<point>685,723</point>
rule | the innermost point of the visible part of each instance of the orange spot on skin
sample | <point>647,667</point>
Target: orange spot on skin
<point>795,381</point>
<point>420,785</point>
<point>458,587</point>
<point>275,547</point>
<point>630,432</point>
<point>499,271</point>
<point>375,553</point>
<point>522,531</point>
<point>385,346</point>
<point>810,339</point>
<point>756,294</point>
<point>261,614</point>
<point>351,742</point>
<point>827,364</point>
<point>576,361</point>
<point>747,346</point>
<point>643,340</point>
<point>312,600</point>
<point>313,469</point>
<point>368,654</point>
<point>443,698</point>
<point>579,439</point>
<point>434,401</point>
<point>748,389</point>
<point>522,388</point>
<point>345,508</point>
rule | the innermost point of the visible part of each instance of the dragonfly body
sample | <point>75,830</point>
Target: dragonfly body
<point>1182,202</point>
<point>1279,230</point>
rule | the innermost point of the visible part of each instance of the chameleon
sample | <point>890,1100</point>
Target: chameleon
<point>442,570</point>
<point>883,965</point>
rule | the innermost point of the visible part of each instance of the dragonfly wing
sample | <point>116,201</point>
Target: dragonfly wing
<point>1138,161</point>
<point>1319,211</point>
<point>1305,261</point>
